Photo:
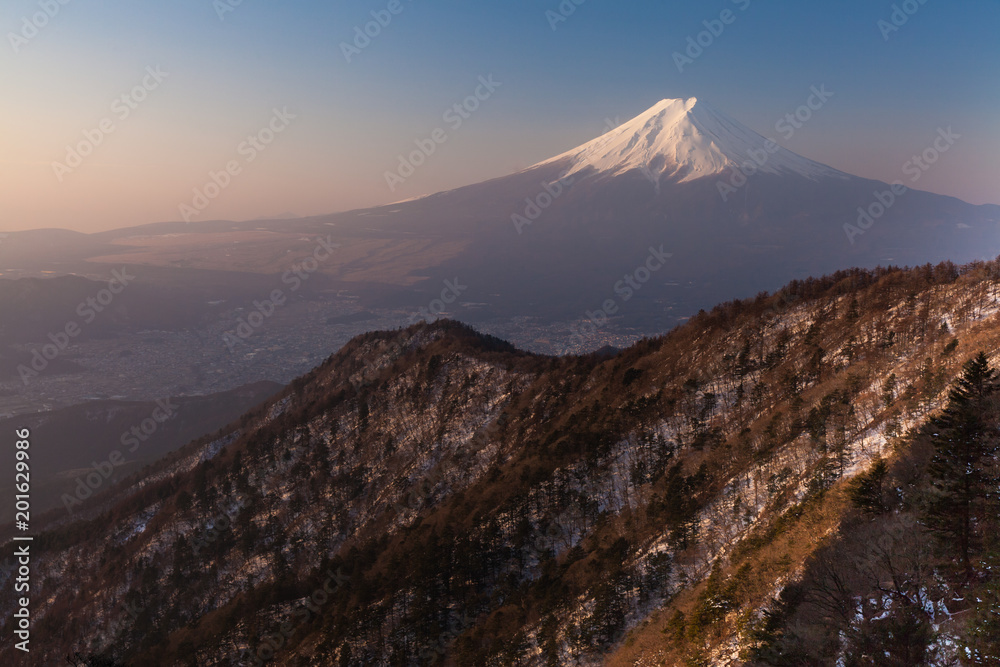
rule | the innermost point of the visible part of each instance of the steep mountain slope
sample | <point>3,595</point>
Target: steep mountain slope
<point>434,495</point>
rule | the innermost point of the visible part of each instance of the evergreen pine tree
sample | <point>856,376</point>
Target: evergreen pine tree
<point>865,490</point>
<point>961,442</point>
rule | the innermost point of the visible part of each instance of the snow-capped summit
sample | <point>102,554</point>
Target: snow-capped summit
<point>540,245</point>
<point>685,139</point>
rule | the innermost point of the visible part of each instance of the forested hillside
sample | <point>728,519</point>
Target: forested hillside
<point>804,478</point>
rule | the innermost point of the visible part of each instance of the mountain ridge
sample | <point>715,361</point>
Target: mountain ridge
<point>490,506</point>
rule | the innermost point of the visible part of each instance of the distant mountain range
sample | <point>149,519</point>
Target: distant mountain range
<point>736,213</point>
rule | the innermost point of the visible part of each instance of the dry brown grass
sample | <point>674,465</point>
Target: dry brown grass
<point>774,562</point>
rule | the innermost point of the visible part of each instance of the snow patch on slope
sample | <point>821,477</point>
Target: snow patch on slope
<point>685,139</point>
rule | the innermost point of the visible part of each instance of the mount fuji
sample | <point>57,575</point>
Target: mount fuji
<point>738,214</point>
<point>726,212</point>
<point>683,140</point>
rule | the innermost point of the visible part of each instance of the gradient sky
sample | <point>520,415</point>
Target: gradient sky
<point>607,61</point>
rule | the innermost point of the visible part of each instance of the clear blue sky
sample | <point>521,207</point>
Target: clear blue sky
<point>559,87</point>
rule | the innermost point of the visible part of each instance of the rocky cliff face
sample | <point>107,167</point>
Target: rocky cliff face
<point>435,496</point>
